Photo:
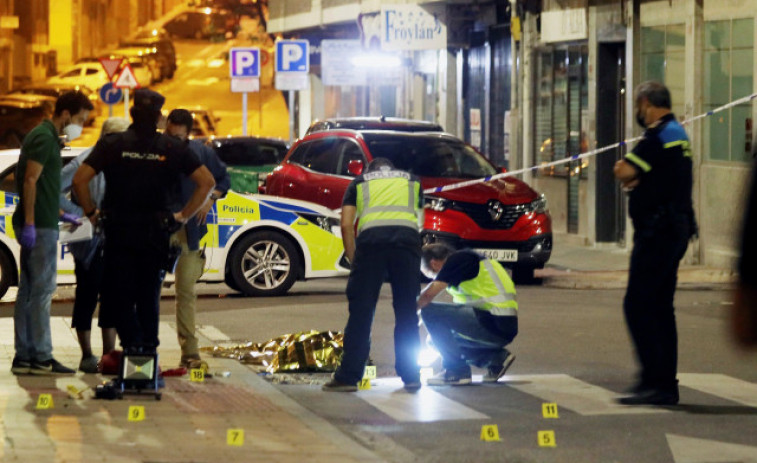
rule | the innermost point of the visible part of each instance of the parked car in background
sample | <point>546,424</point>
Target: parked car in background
<point>205,121</point>
<point>374,123</point>
<point>144,55</point>
<point>19,114</point>
<point>503,219</point>
<point>249,159</point>
<point>89,74</point>
<point>158,45</point>
<point>202,23</point>
<point>258,245</point>
<point>55,90</point>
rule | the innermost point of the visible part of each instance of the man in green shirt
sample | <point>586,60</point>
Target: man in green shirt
<point>35,223</point>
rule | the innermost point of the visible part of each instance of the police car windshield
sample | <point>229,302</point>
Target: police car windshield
<point>429,157</point>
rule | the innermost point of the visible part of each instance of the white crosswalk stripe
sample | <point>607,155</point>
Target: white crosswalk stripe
<point>733,389</point>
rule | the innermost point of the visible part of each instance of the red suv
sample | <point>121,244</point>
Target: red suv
<point>503,219</point>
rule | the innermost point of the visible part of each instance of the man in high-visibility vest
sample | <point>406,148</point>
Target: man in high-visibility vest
<point>388,206</point>
<point>483,319</point>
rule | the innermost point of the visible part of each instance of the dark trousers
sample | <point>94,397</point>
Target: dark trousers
<point>89,280</point>
<point>131,292</point>
<point>462,340</point>
<point>648,304</point>
<point>372,263</point>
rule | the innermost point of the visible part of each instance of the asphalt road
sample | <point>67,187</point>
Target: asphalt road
<point>573,350</point>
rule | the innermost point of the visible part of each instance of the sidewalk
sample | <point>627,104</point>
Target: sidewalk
<point>190,423</point>
<point>574,265</point>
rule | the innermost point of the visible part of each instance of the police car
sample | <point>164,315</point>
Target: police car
<point>257,244</point>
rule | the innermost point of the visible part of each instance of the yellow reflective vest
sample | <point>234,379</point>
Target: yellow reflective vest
<point>492,290</point>
<point>388,198</point>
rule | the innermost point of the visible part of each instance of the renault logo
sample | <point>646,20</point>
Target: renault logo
<point>496,209</point>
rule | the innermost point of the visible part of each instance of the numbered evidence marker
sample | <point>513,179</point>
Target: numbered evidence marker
<point>235,437</point>
<point>197,375</point>
<point>364,384</point>
<point>546,439</point>
<point>44,401</point>
<point>489,433</point>
<point>549,410</point>
<point>136,413</point>
<point>370,372</point>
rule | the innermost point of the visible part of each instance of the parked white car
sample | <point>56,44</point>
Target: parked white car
<point>90,74</point>
<point>259,245</point>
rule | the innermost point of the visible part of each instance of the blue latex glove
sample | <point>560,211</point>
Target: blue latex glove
<point>70,218</point>
<point>28,236</point>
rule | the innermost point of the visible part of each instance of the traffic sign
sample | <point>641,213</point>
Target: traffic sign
<point>292,56</point>
<point>126,79</point>
<point>110,94</point>
<point>111,65</point>
<point>244,62</point>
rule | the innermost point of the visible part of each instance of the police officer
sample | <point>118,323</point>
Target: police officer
<point>142,169</point>
<point>481,322</point>
<point>388,205</point>
<point>657,174</point>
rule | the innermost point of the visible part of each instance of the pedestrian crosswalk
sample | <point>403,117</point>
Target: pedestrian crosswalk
<point>437,404</point>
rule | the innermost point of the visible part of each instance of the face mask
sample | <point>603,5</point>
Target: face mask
<point>641,121</point>
<point>72,131</point>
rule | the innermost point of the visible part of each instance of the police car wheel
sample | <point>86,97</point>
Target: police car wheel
<point>7,270</point>
<point>264,263</point>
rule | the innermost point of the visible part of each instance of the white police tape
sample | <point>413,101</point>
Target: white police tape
<point>577,157</point>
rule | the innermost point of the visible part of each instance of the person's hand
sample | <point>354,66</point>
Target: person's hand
<point>68,217</point>
<point>28,236</point>
<point>202,214</point>
<point>631,184</point>
<point>179,217</point>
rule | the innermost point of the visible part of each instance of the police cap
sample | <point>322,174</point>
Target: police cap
<point>147,98</point>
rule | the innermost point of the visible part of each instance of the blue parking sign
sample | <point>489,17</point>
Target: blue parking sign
<point>292,56</point>
<point>244,62</point>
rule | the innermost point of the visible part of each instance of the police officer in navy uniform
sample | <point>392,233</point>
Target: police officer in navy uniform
<point>388,206</point>
<point>657,174</point>
<point>142,170</point>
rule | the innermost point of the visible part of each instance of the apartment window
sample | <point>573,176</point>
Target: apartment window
<point>728,76</point>
<point>662,60</point>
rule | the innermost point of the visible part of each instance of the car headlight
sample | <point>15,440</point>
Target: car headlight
<point>435,204</point>
<point>330,224</point>
<point>538,206</point>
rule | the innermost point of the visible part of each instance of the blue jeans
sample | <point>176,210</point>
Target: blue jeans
<point>372,264</point>
<point>36,285</point>
<point>462,340</point>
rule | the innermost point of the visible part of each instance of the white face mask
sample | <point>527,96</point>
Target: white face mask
<point>72,131</point>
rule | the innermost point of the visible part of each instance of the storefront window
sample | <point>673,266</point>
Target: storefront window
<point>728,76</point>
<point>662,60</point>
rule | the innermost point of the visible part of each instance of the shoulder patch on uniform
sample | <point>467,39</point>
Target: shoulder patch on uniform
<point>672,132</point>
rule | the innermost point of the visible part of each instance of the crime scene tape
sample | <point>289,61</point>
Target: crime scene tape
<point>576,157</point>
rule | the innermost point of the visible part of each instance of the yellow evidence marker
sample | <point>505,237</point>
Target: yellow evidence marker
<point>235,437</point>
<point>370,372</point>
<point>136,413</point>
<point>44,401</point>
<point>546,439</point>
<point>197,375</point>
<point>549,410</point>
<point>364,384</point>
<point>489,433</point>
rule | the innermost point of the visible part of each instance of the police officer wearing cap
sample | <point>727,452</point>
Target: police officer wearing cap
<point>388,206</point>
<point>657,174</point>
<point>142,170</point>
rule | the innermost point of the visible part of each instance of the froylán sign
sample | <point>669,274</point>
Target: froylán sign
<point>413,27</point>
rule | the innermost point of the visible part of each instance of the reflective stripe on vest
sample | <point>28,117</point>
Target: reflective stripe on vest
<point>491,290</point>
<point>388,199</point>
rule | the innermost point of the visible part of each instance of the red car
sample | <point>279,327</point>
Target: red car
<point>503,219</point>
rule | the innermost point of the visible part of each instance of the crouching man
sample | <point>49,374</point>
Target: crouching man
<point>482,321</point>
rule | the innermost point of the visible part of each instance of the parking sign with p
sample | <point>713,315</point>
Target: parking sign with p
<point>292,56</point>
<point>244,62</point>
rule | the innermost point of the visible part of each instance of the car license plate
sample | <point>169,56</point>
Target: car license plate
<point>501,255</point>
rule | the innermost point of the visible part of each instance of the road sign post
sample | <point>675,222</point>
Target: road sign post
<point>292,67</point>
<point>110,95</point>
<point>127,81</point>
<point>244,70</point>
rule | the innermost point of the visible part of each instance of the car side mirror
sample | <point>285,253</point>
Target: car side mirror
<point>355,167</point>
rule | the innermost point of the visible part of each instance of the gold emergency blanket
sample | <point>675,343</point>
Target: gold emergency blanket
<point>306,351</point>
